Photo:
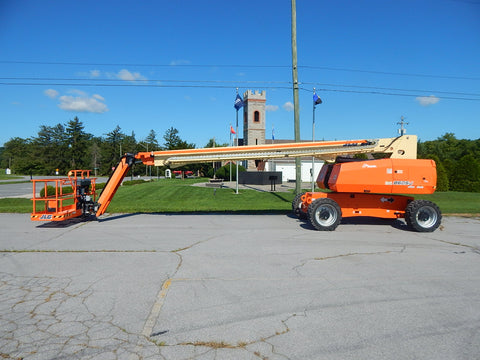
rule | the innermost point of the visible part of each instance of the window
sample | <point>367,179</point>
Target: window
<point>256,116</point>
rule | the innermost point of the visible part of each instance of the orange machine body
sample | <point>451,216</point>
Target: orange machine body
<point>383,176</point>
<point>366,188</point>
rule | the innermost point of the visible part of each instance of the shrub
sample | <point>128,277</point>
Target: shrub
<point>51,190</point>
<point>224,172</point>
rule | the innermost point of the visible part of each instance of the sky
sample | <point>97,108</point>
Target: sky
<point>152,65</point>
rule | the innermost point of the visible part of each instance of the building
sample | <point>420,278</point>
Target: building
<point>254,117</point>
<point>254,125</point>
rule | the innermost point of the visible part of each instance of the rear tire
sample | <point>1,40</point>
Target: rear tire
<point>423,216</point>
<point>324,214</point>
<point>297,206</point>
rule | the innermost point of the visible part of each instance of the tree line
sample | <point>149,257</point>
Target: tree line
<point>68,146</point>
<point>458,162</point>
<point>64,147</point>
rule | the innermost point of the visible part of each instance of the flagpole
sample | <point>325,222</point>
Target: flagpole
<point>313,140</point>
<point>236,144</point>
<point>316,101</point>
<point>230,172</point>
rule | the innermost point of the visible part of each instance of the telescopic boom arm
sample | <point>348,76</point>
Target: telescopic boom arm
<point>400,147</point>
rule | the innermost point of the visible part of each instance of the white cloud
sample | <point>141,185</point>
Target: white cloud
<point>126,75</point>
<point>427,100</point>
<point>52,94</point>
<point>288,106</point>
<point>271,108</point>
<point>83,103</point>
<point>94,73</point>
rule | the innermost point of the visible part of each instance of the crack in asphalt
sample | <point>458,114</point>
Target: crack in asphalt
<point>216,346</point>
<point>474,249</point>
<point>44,317</point>
<point>306,261</point>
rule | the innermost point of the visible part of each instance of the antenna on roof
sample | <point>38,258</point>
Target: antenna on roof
<point>402,131</point>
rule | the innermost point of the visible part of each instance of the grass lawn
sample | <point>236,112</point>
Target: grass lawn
<point>10,177</point>
<point>454,202</point>
<point>177,195</point>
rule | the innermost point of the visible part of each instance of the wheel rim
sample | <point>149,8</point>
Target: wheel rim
<point>426,216</point>
<point>326,215</point>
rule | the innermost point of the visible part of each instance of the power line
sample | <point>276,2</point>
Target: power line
<point>145,80</point>
<point>389,93</point>
<point>393,89</point>
<point>173,64</point>
<point>133,85</point>
<point>48,81</point>
<point>183,65</point>
<point>222,87</point>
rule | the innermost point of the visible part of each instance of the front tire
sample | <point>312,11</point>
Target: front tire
<point>423,216</point>
<point>297,206</point>
<point>324,214</point>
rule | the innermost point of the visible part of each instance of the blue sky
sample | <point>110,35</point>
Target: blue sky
<point>147,65</point>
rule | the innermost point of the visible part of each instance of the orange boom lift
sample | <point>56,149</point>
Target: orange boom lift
<point>355,188</point>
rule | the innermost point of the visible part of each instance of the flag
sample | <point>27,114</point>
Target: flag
<point>238,102</point>
<point>231,130</point>
<point>273,133</point>
<point>316,99</point>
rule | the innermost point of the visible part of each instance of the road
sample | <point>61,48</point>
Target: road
<point>18,189</point>
<point>237,287</point>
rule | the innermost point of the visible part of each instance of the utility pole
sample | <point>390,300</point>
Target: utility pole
<point>296,105</point>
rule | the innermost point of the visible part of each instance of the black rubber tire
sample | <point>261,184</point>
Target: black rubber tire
<point>297,201</point>
<point>324,214</point>
<point>423,216</point>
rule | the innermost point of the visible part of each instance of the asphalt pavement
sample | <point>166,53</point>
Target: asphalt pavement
<point>216,286</point>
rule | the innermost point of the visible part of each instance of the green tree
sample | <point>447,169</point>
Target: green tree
<point>149,144</point>
<point>174,142</point>
<point>17,155</point>
<point>212,143</point>
<point>95,153</point>
<point>111,150</point>
<point>50,147</point>
<point>466,175</point>
<point>77,140</point>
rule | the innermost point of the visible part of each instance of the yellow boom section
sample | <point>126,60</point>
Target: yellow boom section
<point>401,147</point>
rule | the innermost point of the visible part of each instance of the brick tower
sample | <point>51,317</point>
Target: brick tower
<point>254,120</point>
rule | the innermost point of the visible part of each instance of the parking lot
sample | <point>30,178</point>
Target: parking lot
<point>216,286</point>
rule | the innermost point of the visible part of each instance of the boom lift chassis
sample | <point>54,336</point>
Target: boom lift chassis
<point>352,188</point>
